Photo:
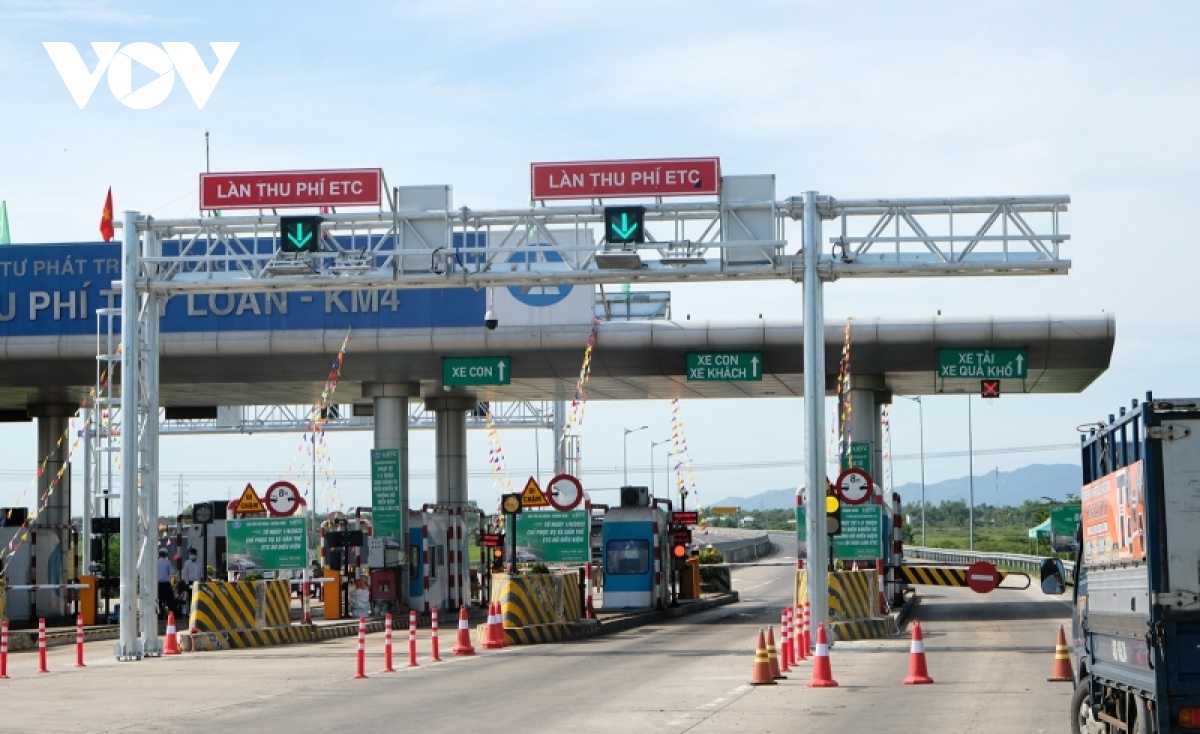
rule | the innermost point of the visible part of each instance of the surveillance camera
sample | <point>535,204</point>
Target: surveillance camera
<point>490,320</point>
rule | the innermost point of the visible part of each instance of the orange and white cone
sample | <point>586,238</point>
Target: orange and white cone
<point>918,674</point>
<point>761,675</point>
<point>822,676</point>
<point>773,656</point>
<point>801,635</point>
<point>463,645</point>
<point>785,642</point>
<point>171,647</point>
<point>492,639</point>
<point>1062,660</point>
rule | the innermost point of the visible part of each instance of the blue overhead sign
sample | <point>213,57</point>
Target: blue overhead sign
<point>52,290</point>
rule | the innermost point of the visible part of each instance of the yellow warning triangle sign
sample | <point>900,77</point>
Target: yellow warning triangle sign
<point>532,496</point>
<point>250,503</point>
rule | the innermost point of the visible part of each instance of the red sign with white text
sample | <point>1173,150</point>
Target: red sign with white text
<point>282,189</point>
<point>613,179</point>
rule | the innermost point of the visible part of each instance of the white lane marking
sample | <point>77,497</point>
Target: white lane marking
<point>756,586</point>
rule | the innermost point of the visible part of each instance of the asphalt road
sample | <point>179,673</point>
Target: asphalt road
<point>989,655</point>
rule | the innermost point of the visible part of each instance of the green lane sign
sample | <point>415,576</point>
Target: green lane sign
<point>554,537</point>
<point>1064,524</point>
<point>862,533</point>
<point>725,367</point>
<point>300,234</point>
<point>624,224</point>
<point>460,371</point>
<point>385,493</point>
<point>267,544</point>
<point>859,456</point>
<point>983,363</point>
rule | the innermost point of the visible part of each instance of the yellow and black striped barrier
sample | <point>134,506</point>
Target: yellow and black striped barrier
<point>539,608</point>
<point>853,604</point>
<point>239,614</point>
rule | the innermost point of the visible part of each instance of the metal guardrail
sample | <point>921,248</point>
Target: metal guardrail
<point>1008,560</point>
<point>744,549</point>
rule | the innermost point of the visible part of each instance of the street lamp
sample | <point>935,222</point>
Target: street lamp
<point>921,414</point>
<point>652,445</point>
<point>625,451</point>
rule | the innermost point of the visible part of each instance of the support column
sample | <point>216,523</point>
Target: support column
<point>128,646</point>
<point>814,413</point>
<point>866,393</point>
<point>390,401</point>
<point>450,415</point>
<point>148,452</point>
<point>53,525</point>
<point>560,448</point>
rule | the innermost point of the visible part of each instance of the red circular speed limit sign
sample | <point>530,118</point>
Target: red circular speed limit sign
<point>854,486</point>
<point>982,577</point>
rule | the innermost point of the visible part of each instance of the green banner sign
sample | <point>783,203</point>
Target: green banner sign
<point>460,371</point>
<point>385,492</point>
<point>988,364</point>
<point>1064,525</point>
<point>267,544</point>
<point>862,533</point>
<point>859,456</point>
<point>725,367</point>
<point>554,537</point>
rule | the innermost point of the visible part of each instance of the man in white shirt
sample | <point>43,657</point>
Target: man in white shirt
<point>192,570</point>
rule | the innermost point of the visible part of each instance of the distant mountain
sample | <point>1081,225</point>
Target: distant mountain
<point>1011,488</point>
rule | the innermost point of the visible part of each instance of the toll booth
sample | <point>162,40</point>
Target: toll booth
<point>634,550</point>
<point>438,565</point>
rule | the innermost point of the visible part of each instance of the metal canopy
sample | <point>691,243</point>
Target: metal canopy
<point>741,236</point>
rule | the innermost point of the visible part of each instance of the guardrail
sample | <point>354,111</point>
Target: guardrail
<point>744,549</point>
<point>1008,560</point>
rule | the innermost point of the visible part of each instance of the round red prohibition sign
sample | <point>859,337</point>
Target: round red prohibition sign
<point>283,499</point>
<point>854,486</point>
<point>564,492</point>
<point>982,577</point>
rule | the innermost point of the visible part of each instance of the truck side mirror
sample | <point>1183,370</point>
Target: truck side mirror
<point>1053,577</point>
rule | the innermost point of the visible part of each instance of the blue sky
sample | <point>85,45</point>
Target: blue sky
<point>851,99</point>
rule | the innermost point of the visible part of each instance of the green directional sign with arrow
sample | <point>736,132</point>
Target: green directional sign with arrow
<point>624,224</point>
<point>300,234</point>
<point>725,367</point>
<point>462,371</point>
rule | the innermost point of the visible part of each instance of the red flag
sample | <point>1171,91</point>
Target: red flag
<point>106,218</point>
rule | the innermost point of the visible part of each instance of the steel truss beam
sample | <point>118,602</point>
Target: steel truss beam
<point>448,248</point>
<point>296,418</point>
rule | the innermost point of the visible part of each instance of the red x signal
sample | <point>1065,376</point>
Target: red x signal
<point>989,388</point>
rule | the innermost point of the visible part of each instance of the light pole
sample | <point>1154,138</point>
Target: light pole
<point>971,472</point>
<point>625,452</point>
<point>921,414</point>
<point>652,445</point>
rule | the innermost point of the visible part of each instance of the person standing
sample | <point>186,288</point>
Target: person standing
<point>166,597</point>
<point>192,572</point>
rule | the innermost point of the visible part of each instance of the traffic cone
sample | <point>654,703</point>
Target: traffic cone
<point>801,636</point>
<point>1062,660</point>
<point>917,672</point>
<point>761,675</point>
<point>773,656</point>
<point>492,640</point>
<point>785,642</point>
<point>171,647</point>
<point>822,676</point>
<point>463,647</point>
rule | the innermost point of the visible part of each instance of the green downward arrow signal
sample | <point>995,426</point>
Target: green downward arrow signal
<point>297,241</point>
<point>626,230</point>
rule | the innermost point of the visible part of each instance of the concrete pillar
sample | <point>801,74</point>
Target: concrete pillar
<point>391,432</point>
<point>865,391</point>
<point>53,524</point>
<point>450,415</point>
<point>560,447</point>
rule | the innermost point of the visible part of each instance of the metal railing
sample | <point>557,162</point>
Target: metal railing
<point>966,558</point>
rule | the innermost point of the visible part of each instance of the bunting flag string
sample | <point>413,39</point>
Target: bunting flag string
<point>500,480</point>
<point>886,469</point>
<point>844,455</point>
<point>22,534</point>
<point>573,426</point>
<point>685,477</point>
<point>312,442</point>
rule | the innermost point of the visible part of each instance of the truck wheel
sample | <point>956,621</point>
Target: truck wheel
<point>1082,720</point>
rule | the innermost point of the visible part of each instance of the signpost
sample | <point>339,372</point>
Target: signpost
<point>532,495</point>
<point>268,543</point>
<point>626,178</point>
<point>854,486</point>
<point>859,456</point>
<point>564,492</point>
<point>249,503</point>
<point>460,371</point>
<point>281,189</point>
<point>725,367</point>
<point>862,533</point>
<point>1064,526</point>
<point>983,363</point>
<point>554,537</point>
<point>680,517</point>
<point>385,492</point>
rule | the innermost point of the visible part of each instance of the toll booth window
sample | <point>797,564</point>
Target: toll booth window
<point>627,557</point>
